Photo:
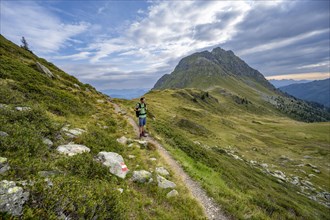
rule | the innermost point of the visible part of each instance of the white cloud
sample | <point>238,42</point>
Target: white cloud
<point>301,76</point>
<point>45,32</point>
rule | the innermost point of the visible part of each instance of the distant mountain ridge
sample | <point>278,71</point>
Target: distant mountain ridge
<point>316,91</point>
<point>285,82</point>
<point>213,66</point>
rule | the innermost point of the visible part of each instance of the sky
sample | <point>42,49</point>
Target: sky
<point>131,44</point>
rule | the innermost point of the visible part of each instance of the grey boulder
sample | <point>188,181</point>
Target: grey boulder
<point>162,171</point>
<point>12,198</point>
<point>72,149</point>
<point>115,162</point>
<point>172,193</point>
<point>44,70</point>
<point>141,176</point>
<point>164,183</point>
<point>3,134</point>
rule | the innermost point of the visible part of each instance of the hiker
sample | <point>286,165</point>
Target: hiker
<point>141,112</point>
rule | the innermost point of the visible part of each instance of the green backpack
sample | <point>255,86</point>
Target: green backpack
<point>137,113</point>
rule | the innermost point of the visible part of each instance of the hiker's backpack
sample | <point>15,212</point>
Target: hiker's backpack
<point>137,113</point>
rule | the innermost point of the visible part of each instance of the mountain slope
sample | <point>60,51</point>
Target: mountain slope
<point>316,91</point>
<point>204,69</point>
<point>224,71</point>
<point>41,110</point>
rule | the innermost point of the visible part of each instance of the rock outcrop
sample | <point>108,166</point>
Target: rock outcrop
<point>44,70</point>
<point>12,198</point>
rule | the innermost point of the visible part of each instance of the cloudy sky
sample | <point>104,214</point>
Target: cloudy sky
<point>130,44</point>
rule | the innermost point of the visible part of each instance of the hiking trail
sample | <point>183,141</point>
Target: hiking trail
<point>211,209</point>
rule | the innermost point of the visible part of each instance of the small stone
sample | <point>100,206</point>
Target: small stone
<point>72,149</point>
<point>307,157</point>
<point>3,134</point>
<point>2,106</point>
<point>50,173</point>
<point>152,159</point>
<point>120,190</point>
<point>172,193</point>
<point>164,183</point>
<point>295,180</point>
<point>48,142</point>
<point>131,156</point>
<point>162,171</point>
<point>316,171</point>
<point>311,175</point>
<point>122,140</point>
<point>264,165</point>
<point>326,195</point>
<point>311,165</point>
<point>141,176</point>
<point>253,162</point>
<point>142,143</point>
<point>100,101</point>
<point>76,85</point>
<point>4,165</point>
<point>23,109</point>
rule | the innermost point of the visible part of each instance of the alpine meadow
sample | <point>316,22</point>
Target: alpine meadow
<point>164,110</point>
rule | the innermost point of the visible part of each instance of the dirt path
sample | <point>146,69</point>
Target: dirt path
<point>212,210</point>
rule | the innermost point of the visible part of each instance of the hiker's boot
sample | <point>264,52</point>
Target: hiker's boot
<point>143,134</point>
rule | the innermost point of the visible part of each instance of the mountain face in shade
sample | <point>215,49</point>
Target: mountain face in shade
<point>205,69</point>
<point>316,91</point>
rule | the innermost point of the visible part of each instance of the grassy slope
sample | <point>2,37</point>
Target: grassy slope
<point>254,131</point>
<point>84,188</point>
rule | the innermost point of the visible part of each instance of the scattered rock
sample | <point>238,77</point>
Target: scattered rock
<point>316,171</point>
<point>311,175</point>
<point>264,165</point>
<point>76,85</point>
<point>326,195</point>
<point>152,159</point>
<point>197,142</point>
<point>115,162</point>
<point>172,193</point>
<point>141,176</point>
<point>164,183</point>
<point>279,174</point>
<point>3,134</point>
<point>48,142</point>
<point>72,149</point>
<point>311,165</point>
<point>285,158</point>
<point>49,182</point>
<point>2,106</point>
<point>295,180</point>
<point>12,198</point>
<point>75,132</point>
<point>131,156</point>
<point>45,173</point>
<point>122,140</point>
<point>120,190</point>
<point>100,101</point>
<point>22,108</point>
<point>253,162</point>
<point>44,70</point>
<point>307,157</point>
<point>162,171</point>
<point>4,165</point>
<point>142,143</point>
